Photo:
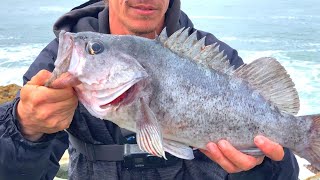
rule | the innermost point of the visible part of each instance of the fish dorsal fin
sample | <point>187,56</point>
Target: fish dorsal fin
<point>190,47</point>
<point>270,79</point>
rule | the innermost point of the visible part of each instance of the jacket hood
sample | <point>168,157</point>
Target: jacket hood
<point>94,16</point>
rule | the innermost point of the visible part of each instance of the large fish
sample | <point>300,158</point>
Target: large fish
<point>177,93</point>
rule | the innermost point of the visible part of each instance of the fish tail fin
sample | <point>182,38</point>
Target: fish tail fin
<point>311,150</point>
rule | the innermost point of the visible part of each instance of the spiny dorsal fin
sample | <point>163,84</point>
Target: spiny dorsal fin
<point>190,47</point>
<point>269,77</point>
<point>163,36</point>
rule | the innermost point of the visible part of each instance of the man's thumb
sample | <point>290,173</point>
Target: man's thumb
<point>40,78</point>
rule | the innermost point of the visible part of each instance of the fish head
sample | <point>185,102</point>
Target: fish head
<point>109,78</point>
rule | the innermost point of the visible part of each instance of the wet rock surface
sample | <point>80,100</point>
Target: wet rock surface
<point>8,93</point>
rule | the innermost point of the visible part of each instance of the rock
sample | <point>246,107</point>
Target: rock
<point>63,171</point>
<point>56,178</point>
<point>316,177</point>
<point>65,158</point>
<point>312,169</point>
<point>8,93</point>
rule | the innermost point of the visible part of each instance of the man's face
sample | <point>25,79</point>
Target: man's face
<point>137,16</point>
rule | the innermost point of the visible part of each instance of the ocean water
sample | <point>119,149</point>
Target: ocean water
<point>25,29</point>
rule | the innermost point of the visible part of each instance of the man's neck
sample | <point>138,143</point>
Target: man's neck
<point>123,31</point>
<point>117,28</point>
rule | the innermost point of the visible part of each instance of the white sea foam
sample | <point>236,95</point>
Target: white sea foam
<point>16,54</point>
<point>304,172</point>
<point>316,45</point>
<point>2,37</point>
<point>249,56</point>
<point>15,75</point>
<point>14,61</point>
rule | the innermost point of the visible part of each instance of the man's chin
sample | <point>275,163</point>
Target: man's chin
<point>143,29</point>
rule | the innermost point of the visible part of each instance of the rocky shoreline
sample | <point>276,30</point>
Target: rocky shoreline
<point>8,93</point>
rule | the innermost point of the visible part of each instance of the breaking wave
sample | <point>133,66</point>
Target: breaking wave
<point>15,60</point>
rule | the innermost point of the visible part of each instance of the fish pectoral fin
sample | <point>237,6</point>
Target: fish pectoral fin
<point>178,149</point>
<point>256,152</point>
<point>149,136</point>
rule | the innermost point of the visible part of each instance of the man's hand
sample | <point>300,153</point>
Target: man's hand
<point>44,110</point>
<point>233,161</point>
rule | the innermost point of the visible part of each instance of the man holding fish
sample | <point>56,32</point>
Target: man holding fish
<point>31,127</point>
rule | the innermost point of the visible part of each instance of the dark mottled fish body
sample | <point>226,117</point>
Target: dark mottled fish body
<point>175,92</point>
<point>206,105</point>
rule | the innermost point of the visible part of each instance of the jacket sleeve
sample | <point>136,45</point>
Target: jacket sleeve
<point>23,159</point>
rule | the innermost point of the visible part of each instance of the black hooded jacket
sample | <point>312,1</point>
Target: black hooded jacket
<point>22,159</point>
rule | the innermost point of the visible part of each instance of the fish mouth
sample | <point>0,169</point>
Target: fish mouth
<point>120,96</point>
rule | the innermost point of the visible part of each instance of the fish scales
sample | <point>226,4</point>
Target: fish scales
<point>183,99</point>
<point>174,98</point>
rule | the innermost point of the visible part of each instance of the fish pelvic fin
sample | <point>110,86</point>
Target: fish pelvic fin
<point>188,46</point>
<point>311,152</point>
<point>178,149</point>
<point>149,136</point>
<point>268,77</point>
<point>256,152</point>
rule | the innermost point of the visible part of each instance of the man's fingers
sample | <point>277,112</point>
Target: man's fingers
<point>58,95</point>
<point>271,149</point>
<point>40,78</point>
<point>216,155</point>
<point>241,160</point>
<point>40,94</point>
<point>65,80</point>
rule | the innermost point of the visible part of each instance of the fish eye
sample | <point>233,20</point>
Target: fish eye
<point>95,47</point>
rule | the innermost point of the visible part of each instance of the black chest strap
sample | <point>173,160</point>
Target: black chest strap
<point>112,152</point>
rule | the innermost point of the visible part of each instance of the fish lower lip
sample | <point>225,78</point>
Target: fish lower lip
<point>119,99</point>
